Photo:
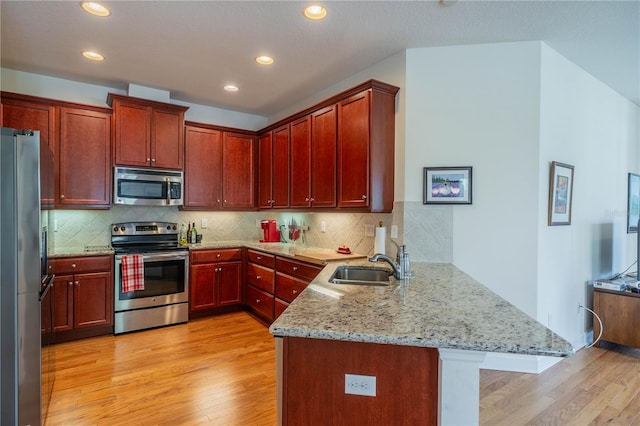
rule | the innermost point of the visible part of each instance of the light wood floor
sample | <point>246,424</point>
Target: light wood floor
<point>220,371</point>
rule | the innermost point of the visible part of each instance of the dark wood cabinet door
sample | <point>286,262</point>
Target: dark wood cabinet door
<point>63,303</point>
<point>132,134</point>
<point>353,151</point>
<point>203,168</point>
<point>238,169</point>
<point>228,283</point>
<point>265,170</point>
<point>23,114</point>
<point>323,157</point>
<point>167,139</point>
<point>93,299</point>
<point>84,159</point>
<point>202,281</point>
<point>300,167</point>
<point>280,169</point>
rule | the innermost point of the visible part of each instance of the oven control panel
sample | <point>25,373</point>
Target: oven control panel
<point>144,228</point>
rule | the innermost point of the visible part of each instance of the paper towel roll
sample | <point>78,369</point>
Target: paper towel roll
<point>379,242</point>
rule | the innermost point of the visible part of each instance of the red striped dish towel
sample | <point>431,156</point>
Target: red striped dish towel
<point>132,273</point>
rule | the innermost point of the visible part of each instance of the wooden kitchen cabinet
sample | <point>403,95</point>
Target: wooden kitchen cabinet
<point>238,170</point>
<point>147,133</point>
<point>273,169</point>
<point>620,316</point>
<point>84,159</point>
<point>203,166</point>
<point>272,282</point>
<point>215,279</point>
<point>220,170</point>
<point>366,129</point>
<point>313,159</point>
<point>83,297</point>
<point>26,112</point>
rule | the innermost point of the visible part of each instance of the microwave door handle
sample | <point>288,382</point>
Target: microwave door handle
<point>168,191</point>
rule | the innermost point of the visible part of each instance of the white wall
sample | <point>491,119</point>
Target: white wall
<point>90,94</point>
<point>478,106</point>
<point>586,124</point>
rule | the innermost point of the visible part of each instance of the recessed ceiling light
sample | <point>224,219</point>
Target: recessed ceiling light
<point>95,8</point>
<point>94,56</point>
<point>231,88</point>
<point>264,60</point>
<point>315,12</point>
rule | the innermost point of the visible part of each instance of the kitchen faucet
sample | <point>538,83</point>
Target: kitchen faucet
<point>402,267</point>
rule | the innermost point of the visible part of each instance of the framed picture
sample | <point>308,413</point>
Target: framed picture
<point>447,185</point>
<point>560,194</point>
<point>633,203</point>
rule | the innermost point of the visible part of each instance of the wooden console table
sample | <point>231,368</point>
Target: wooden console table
<point>620,315</point>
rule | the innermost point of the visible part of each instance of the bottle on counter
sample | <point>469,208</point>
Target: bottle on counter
<point>182,236</point>
<point>189,233</point>
<point>194,234</point>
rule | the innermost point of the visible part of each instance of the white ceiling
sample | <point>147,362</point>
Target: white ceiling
<point>193,48</point>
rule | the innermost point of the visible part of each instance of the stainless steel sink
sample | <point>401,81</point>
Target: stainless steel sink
<point>360,275</point>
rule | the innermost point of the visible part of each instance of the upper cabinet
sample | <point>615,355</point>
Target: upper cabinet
<point>80,139</point>
<point>84,159</point>
<point>342,151</point>
<point>366,130</point>
<point>220,169</point>
<point>273,169</point>
<point>147,133</point>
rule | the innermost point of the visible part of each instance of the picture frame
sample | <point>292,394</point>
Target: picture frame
<point>447,185</point>
<point>633,202</point>
<point>560,193</point>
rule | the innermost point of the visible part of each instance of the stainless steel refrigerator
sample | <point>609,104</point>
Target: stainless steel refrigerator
<point>23,278</point>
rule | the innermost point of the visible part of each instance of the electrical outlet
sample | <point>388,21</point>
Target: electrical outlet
<point>394,231</point>
<point>257,223</point>
<point>368,231</point>
<point>356,384</point>
<point>323,226</point>
<point>203,223</point>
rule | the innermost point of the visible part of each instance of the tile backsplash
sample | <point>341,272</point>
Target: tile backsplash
<point>426,230</point>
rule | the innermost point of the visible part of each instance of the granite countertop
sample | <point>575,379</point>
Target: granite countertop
<point>439,306</point>
<point>280,249</point>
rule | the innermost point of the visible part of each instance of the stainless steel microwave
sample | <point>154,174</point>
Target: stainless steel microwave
<point>147,187</point>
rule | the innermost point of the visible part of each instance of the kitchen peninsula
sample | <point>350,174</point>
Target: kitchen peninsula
<point>423,339</point>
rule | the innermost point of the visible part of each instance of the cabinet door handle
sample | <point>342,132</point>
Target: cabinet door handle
<point>364,197</point>
<point>295,291</point>
<point>73,265</point>
<point>153,160</point>
<point>77,283</point>
<point>295,268</point>
<point>148,159</point>
<point>62,196</point>
<point>218,201</point>
<point>258,300</point>
<point>312,200</point>
<point>70,282</point>
<point>306,199</point>
<point>258,277</point>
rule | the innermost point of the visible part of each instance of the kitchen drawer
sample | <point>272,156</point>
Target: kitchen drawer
<point>301,270</point>
<point>288,288</point>
<point>214,256</point>
<point>279,307</point>
<point>72,265</point>
<point>261,258</point>
<point>261,277</point>
<point>260,301</point>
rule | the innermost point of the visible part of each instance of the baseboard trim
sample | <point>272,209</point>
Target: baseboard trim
<point>518,363</point>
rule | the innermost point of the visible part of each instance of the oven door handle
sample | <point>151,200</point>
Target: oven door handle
<point>150,257</point>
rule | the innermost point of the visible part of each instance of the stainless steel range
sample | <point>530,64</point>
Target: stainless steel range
<point>164,300</point>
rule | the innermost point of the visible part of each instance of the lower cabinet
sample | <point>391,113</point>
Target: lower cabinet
<point>215,279</point>
<point>273,282</point>
<point>83,297</point>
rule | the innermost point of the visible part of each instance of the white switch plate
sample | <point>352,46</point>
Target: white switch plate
<point>356,384</point>
<point>323,226</point>
<point>394,231</point>
<point>257,223</point>
<point>203,223</point>
<point>368,231</point>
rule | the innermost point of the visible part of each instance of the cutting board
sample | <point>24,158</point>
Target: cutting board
<point>328,256</point>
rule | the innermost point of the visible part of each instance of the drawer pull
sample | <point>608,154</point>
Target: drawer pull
<point>73,265</point>
<point>295,268</point>
<point>259,257</point>
<point>258,277</point>
<point>258,300</point>
<point>295,291</point>
<point>218,255</point>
